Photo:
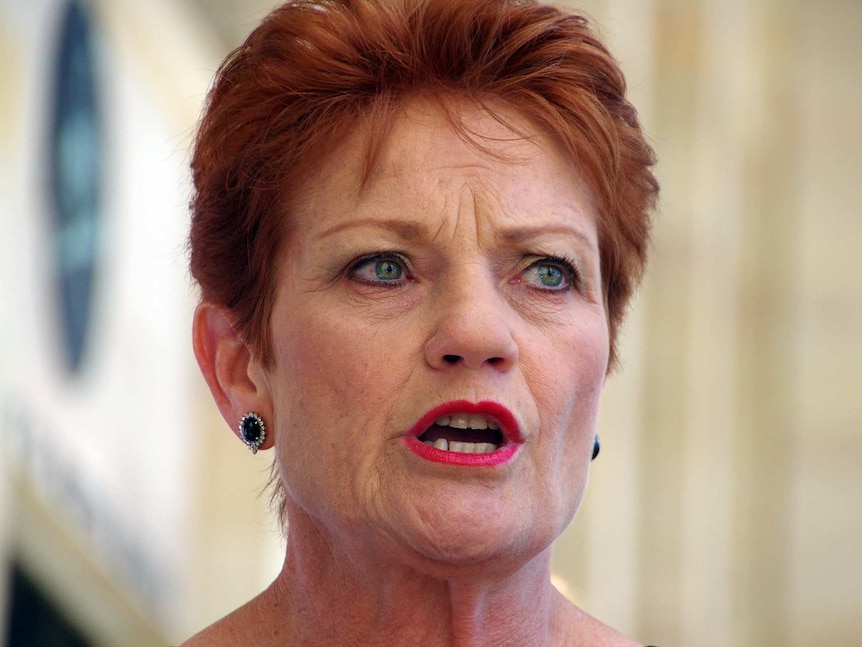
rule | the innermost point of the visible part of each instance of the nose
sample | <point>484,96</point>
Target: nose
<point>472,328</point>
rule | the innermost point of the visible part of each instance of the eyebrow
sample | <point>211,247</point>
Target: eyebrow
<point>410,230</point>
<point>518,234</point>
<point>415,230</point>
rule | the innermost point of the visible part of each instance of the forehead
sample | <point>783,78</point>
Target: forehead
<point>465,130</point>
<point>456,134</point>
<point>432,154</point>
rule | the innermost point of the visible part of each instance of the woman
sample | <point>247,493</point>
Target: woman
<point>416,227</point>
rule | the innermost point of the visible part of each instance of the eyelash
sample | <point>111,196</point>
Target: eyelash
<point>565,264</point>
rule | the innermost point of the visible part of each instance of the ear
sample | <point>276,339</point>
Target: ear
<point>230,369</point>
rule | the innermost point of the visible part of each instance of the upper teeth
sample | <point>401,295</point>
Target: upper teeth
<point>466,421</point>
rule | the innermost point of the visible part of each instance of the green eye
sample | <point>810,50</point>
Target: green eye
<point>554,274</point>
<point>550,276</point>
<point>380,270</point>
<point>387,270</point>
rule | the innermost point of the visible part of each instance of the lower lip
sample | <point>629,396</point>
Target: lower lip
<point>431,453</point>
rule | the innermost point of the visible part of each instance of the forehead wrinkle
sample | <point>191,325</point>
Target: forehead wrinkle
<point>475,210</point>
<point>407,163</point>
<point>465,215</point>
<point>391,162</point>
<point>398,168</point>
<point>477,215</point>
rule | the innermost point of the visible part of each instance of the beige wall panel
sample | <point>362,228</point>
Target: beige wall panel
<point>826,564</point>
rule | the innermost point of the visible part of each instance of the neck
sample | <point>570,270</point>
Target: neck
<point>336,593</point>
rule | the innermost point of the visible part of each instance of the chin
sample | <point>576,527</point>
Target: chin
<point>461,537</point>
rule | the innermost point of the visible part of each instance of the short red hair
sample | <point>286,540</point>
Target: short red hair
<point>313,69</point>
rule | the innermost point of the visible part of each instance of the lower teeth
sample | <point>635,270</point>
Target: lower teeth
<point>462,447</point>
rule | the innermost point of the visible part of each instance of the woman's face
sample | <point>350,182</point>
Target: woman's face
<point>453,290</point>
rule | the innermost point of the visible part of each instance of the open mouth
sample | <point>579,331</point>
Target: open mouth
<point>464,433</point>
<point>467,434</point>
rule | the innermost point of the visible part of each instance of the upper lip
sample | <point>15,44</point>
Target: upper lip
<point>493,412</point>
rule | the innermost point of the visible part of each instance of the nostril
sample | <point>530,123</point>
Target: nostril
<point>494,360</point>
<point>451,359</point>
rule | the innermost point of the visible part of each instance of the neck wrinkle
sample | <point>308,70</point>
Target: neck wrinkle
<point>333,594</point>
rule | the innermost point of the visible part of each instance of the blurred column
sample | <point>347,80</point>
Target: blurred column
<point>824,564</point>
<point>612,511</point>
<point>678,57</point>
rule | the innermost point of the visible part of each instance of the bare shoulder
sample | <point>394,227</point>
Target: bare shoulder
<point>577,627</point>
<point>230,630</point>
<point>248,625</point>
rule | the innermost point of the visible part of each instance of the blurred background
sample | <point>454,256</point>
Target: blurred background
<point>726,506</point>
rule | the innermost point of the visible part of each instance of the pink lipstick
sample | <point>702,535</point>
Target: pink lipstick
<point>470,434</point>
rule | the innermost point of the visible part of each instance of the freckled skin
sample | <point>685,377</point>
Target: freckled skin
<point>492,291</point>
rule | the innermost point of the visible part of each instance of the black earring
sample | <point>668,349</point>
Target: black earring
<point>597,447</point>
<point>252,431</point>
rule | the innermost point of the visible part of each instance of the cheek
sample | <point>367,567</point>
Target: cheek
<point>568,380</point>
<point>334,380</point>
<point>571,397</point>
<point>322,356</point>
<point>573,368</point>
